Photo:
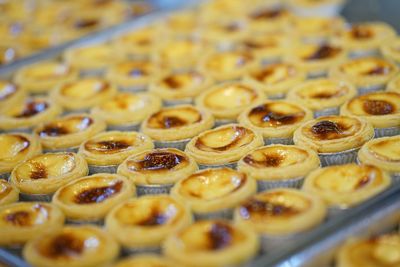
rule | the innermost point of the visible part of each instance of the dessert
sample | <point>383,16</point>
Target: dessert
<point>8,193</point>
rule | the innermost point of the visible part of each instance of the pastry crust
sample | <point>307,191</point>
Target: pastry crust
<point>113,147</point>
<point>382,152</point>
<point>84,93</point>
<point>275,119</point>
<point>279,162</point>
<point>331,134</point>
<point>268,19</point>
<point>127,108</point>
<point>390,50</point>
<point>23,221</point>
<point>137,43</point>
<point>281,211</point>
<point>10,96</point>
<point>227,100</point>
<point>213,190</point>
<point>180,85</point>
<point>265,47</point>
<point>147,221</point>
<point>73,246</point>
<point>394,84</point>
<point>148,260</point>
<point>320,94</point>
<point>316,27</point>
<point>344,186</point>
<point>212,243</point>
<point>44,76</point>
<point>177,123</point>
<point>29,113</point>
<point>381,109</point>
<point>224,33</point>
<point>365,72</point>
<point>157,166</point>
<point>45,173</point>
<point>69,131</point>
<point>92,197</point>
<point>8,193</point>
<point>275,79</point>
<point>224,144</point>
<point>374,251</point>
<point>16,148</point>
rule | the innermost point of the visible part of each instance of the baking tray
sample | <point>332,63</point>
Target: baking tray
<point>318,247</point>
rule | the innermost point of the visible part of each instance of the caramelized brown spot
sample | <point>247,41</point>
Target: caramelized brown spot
<point>267,14</point>
<point>323,95</point>
<point>378,107</point>
<point>156,218</point>
<point>98,194</point>
<point>160,161</point>
<point>19,218</point>
<point>64,245</point>
<point>255,206</point>
<point>261,75</point>
<point>265,114</point>
<point>38,171</point>
<point>240,133</point>
<point>32,108</point>
<point>220,236</point>
<point>23,140</point>
<point>270,160</point>
<point>172,122</point>
<point>323,129</point>
<point>324,52</point>
<point>360,32</point>
<point>162,120</point>
<point>53,130</point>
<point>109,146</point>
<point>86,23</point>
<point>172,82</point>
<point>364,181</point>
<point>378,70</point>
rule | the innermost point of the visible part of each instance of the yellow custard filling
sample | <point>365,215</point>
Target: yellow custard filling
<point>85,89</point>
<point>367,67</point>
<point>276,156</point>
<point>378,104</point>
<point>230,96</point>
<point>124,102</point>
<point>47,71</point>
<point>14,147</point>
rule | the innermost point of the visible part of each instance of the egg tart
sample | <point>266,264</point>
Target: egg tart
<point>225,33</point>
<point>213,243</point>
<point>68,132</point>
<point>93,59</point>
<point>266,48</point>
<point>275,79</point>
<point>344,186</point>
<point>90,198</point>
<point>180,87</point>
<point>268,19</point>
<point>223,146</point>
<point>20,222</point>
<point>316,58</point>
<point>322,96</point>
<point>181,24</point>
<point>10,95</point>
<point>83,94</point>
<point>280,215</point>
<point>143,224</point>
<point>8,193</point>
<point>138,43</point>
<point>367,74</point>
<point>365,38</point>
<point>174,126</point>
<point>40,176</point>
<point>279,165</point>
<point>23,116</point>
<point>16,148</point>
<point>74,246</point>
<point>105,151</point>
<point>325,8</point>
<point>276,120</point>
<point>213,193</point>
<point>316,28</point>
<point>133,75</point>
<point>155,171</point>
<point>125,111</point>
<point>335,138</point>
<point>44,76</point>
<point>382,152</point>
<point>227,100</point>
<point>381,109</point>
<point>373,251</point>
<point>227,65</point>
<point>394,84</point>
<point>147,260</point>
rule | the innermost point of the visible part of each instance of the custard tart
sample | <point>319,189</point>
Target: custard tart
<point>213,193</point>
<point>10,95</point>
<point>40,176</point>
<point>279,165</point>
<point>344,186</point>
<point>16,148</point>
<point>23,221</point>
<point>322,96</point>
<point>335,138</point>
<point>125,111</point>
<point>268,19</point>
<point>68,132</point>
<point>8,193</point>
<point>316,28</point>
<point>27,114</point>
<point>212,243</point>
<point>155,171</point>
<point>174,126</point>
<point>276,120</point>
<point>42,77</point>
<point>105,151</point>
<point>90,198</point>
<point>146,260</point>
<point>74,246</point>
<point>223,146</point>
<point>143,224</point>
<point>224,33</point>
<point>83,94</point>
<point>381,109</point>
<point>138,43</point>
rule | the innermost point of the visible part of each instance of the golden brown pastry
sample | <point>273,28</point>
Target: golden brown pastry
<point>8,193</point>
<point>10,95</point>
